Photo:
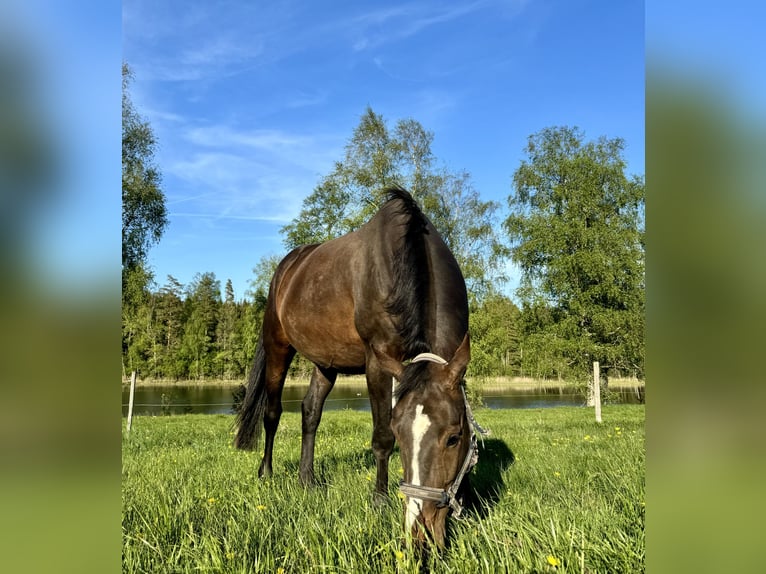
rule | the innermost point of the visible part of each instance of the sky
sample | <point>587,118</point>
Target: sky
<point>252,102</point>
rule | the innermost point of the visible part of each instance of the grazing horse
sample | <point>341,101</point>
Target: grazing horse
<point>387,300</point>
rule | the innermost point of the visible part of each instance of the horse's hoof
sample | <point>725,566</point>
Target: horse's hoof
<point>308,480</point>
<point>379,499</point>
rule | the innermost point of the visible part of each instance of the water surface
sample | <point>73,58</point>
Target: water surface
<point>219,399</point>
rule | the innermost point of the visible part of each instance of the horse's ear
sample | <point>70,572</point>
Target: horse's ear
<point>389,365</point>
<point>457,366</point>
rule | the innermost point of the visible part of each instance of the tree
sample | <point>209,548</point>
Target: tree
<point>144,217</point>
<point>376,157</point>
<point>259,285</point>
<point>203,299</point>
<point>171,318</point>
<point>576,230</point>
<point>143,221</point>
<point>228,339</point>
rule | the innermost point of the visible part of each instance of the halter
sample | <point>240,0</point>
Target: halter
<point>448,497</point>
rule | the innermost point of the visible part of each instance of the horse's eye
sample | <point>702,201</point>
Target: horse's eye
<point>453,440</point>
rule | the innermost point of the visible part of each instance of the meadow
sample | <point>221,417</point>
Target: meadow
<point>554,492</point>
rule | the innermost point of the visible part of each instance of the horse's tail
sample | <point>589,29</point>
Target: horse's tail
<point>250,416</point>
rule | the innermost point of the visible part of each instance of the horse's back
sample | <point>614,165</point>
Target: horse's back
<point>334,300</point>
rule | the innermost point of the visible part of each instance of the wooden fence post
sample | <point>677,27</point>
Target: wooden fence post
<point>130,400</point>
<point>597,390</point>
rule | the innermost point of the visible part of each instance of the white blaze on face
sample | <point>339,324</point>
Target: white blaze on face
<point>420,425</point>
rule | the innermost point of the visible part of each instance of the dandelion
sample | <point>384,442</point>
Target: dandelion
<point>553,561</point>
<point>280,570</point>
<point>211,500</point>
<point>261,507</point>
<point>399,554</point>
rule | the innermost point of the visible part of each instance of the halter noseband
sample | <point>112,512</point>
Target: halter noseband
<point>440,496</point>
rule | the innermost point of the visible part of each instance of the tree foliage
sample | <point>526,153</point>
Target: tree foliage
<point>189,332</point>
<point>143,204</point>
<point>495,337</point>
<point>576,230</point>
<point>377,156</point>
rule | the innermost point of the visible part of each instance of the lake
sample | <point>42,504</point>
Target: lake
<point>218,399</point>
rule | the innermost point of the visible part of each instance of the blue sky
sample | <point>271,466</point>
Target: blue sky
<point>252,102</point>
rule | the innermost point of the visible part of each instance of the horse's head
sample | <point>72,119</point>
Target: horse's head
<point>431,424</point>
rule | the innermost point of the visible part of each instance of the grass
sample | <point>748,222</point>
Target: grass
<point>557,493</point>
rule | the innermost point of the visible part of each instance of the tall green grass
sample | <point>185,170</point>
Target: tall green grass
<point>557,492</point>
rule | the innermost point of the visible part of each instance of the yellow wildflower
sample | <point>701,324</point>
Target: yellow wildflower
<point>260,507</point>
<point>553,561</point>
<point>399,554</point>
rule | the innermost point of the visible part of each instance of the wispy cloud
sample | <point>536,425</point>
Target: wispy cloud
<point>222,136</point>
<point>259,175</point>
<point>198,41</point>
<point>378,27</point>
<point>216,216</point>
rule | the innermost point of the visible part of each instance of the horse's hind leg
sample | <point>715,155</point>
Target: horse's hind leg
<point>322,381</point>
<point>277,362</point>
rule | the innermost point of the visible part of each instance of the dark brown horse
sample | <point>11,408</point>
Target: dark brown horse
<point>369,301</point>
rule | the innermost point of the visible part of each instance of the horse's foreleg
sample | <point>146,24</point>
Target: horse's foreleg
<point>379,389</point>
<point>277,363</point>
<point>322,382</point>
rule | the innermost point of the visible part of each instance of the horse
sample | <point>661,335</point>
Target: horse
<point>387,300</point>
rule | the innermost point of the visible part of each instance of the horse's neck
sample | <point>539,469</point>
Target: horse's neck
<point>445,314</point>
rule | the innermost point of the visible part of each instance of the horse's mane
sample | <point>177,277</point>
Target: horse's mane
<point>409,291</point>
<point>415,375</point>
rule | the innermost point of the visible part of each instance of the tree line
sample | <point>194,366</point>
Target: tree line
<point>191,332</point>
<point>574,227</point>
